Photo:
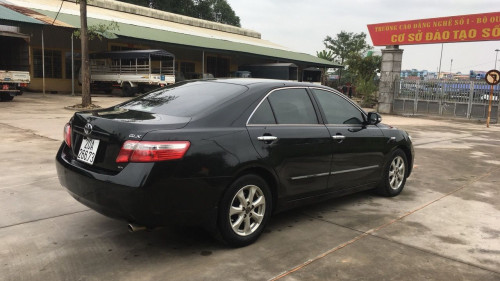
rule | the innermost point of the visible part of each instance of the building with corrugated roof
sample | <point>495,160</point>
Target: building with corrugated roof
<point>199,46</point>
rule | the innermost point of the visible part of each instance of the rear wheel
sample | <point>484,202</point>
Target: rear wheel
<point>127,90</point>
<point>395,173</point>
<point>6,97</point>
<point>244,211</point>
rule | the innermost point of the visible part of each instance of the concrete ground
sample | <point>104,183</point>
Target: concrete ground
<point>444,226</point>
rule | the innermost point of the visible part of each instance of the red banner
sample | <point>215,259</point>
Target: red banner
<point>467,28</point>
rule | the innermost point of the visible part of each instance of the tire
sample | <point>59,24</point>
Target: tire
<point>6,97</point>
<point>395,174</point>
<point>127,90</point>
<point>241,218</point>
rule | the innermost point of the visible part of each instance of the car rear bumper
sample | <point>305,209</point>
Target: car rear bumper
<point>140,195</point>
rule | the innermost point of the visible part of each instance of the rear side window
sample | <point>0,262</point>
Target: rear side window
<point>337,110</point>
<point>185,99</point>
<point>292,106</point>
<point>286,106</point>
<point>263,114</point>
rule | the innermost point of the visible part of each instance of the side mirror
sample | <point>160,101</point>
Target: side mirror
<point>374,118</point>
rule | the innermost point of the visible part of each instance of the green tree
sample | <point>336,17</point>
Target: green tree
<point>346,44</point>
<point>181,7</point>
<point>224,13</point>
<point>87,33</point>
<point>86,98</point>
<point>212,10</point>
<point>364,70</point>
<point>326,55</point>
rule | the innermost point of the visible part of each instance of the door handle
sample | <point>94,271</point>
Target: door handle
<point>338,137</point>
<point>267,138</point>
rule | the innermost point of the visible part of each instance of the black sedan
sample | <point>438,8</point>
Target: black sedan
<point>227,154</point>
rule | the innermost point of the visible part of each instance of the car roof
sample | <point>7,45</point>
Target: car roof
<point>263,82</point>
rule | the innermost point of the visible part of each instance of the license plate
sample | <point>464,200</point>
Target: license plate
<point>88,150</point>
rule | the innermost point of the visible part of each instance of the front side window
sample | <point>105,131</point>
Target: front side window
<point>337,110</point>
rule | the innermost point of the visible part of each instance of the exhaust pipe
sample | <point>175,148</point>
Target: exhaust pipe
<point>135,227</point>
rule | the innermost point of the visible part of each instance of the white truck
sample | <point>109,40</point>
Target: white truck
<point>14,65</point>
<point>12,83</point>
<point>131,71</point>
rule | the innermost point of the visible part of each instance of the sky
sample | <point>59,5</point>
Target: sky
<point>303,25</point>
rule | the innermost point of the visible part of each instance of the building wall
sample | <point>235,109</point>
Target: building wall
<point>57,44</point>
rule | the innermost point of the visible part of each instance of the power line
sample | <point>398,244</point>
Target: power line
<point>60,7</point>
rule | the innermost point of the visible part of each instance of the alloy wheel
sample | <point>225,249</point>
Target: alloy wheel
<point>247,210</point>
<point>397,172</point>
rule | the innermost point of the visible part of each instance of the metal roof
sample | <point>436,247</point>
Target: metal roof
<point>147,33</point>
<point>10,15</point>
<point>155,29</point>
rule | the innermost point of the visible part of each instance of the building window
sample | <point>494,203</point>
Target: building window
<point>77,64</point>
<point>53,64</point>
<point>218,67</point>
<point>187,67</point>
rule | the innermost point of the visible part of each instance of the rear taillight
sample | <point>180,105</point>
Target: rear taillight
<point>67,134</point>
<point>23,85</point>
<point>152,151</point>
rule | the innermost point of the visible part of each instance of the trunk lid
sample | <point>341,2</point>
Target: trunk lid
<point>112,127</point>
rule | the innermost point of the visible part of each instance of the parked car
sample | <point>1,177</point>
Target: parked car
<point>486,96</point>
<point>227,154</point>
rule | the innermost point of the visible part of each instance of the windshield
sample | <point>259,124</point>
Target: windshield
<point>185,99</point>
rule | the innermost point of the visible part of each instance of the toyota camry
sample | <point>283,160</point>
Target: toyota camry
<point>227,154</point>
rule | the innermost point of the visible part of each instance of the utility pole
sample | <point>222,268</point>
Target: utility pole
<point>451,64</point>
<point>440,59</point>
<point>496,57</point>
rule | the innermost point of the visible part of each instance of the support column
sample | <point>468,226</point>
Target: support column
<point>390,72</point>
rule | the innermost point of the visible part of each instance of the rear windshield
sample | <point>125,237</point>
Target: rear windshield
<point>185,99</point>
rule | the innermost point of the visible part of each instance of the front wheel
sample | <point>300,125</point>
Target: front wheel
<point>395,174</point>
<point>244,211</point>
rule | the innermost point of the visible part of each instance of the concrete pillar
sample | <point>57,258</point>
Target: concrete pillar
<point>390,72</point>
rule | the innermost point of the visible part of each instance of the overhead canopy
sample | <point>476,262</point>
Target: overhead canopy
<point>15,34</point>
<point>133,54</point>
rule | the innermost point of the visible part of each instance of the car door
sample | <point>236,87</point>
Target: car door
<point>358,149</point>
<point>287,135</point>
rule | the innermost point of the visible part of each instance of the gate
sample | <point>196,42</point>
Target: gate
<point>467,99</point>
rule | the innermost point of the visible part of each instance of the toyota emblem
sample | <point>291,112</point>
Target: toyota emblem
<point>87,129</point>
